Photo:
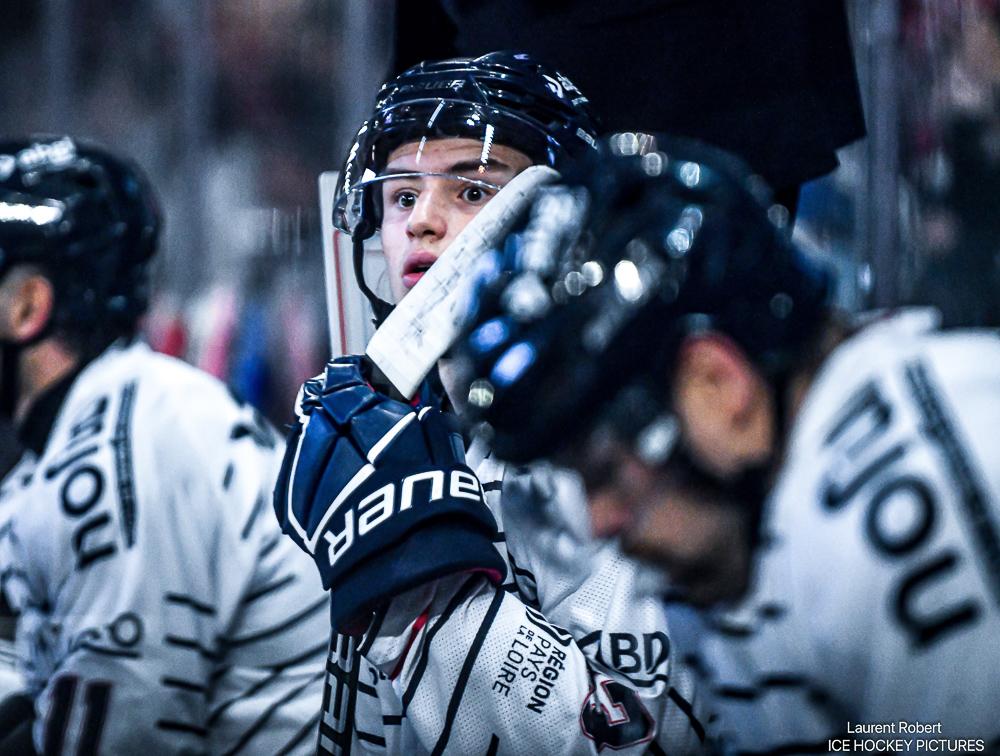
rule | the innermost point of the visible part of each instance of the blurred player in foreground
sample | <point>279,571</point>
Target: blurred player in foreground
<point>475,616</point>
<point>161,609</point>
<point>833,490</point>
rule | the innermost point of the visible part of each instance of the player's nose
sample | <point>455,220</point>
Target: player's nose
<point>428,218</point>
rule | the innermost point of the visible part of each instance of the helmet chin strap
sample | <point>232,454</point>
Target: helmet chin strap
<point>380,307</point>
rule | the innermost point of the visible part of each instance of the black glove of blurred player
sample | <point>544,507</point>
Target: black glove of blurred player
<point>378,493</point>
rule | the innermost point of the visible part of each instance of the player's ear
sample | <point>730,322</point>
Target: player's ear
<point>28,304</point>
<point>722,402</point>
<point>713,376</point>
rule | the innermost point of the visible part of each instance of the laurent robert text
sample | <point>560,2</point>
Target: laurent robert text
<point>900,727</point>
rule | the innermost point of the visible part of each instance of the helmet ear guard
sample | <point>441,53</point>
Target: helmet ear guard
<point>674,239</point>
<point>380,308</point>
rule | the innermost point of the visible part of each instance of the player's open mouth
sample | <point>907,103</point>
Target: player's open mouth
<point>415,266</point>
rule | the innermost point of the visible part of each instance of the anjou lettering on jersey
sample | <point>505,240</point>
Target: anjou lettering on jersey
<point>871,457</point>
<point>82,486</point>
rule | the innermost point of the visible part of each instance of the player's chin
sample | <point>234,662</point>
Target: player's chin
<point>702,582</point>
<point>399,290</point>
<point>409,280</point>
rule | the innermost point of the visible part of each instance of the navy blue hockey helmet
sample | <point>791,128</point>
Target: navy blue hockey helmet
<point>88,218</point>
<point>578,317</point>
<point>501,98</point>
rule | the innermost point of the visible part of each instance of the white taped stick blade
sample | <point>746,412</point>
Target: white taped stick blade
<point>423,326</point>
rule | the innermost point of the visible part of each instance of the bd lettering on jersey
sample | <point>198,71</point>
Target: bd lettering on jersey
<point>872,446</point>
<point>646,655</point>
<point>413,490</point>
<point>644,658</point>
<point>82,485</point>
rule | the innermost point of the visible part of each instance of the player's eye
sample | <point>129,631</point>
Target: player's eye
<point>475,195</point>
<point>404,199</point>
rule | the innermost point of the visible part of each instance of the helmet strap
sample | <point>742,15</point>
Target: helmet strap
<point>380,307</point>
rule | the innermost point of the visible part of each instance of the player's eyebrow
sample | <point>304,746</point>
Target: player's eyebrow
<point>461,167</point>
<point>478,166</point>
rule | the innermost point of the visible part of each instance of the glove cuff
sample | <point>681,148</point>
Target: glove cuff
<point>440,547</point>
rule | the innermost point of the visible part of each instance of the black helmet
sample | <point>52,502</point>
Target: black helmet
<point>577,319</point>
<point>88,218</point>
<point>499,98</point>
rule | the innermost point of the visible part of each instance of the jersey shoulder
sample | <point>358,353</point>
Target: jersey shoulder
<point>180,411</point>
<point>142,442</point>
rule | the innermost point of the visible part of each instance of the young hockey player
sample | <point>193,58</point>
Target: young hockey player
<point>474,614</point>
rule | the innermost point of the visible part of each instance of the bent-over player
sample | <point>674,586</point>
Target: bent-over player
<point>833,489</point>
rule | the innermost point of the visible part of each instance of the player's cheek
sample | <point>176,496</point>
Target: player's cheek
<point>452,221</point>
<point>393,241</point>
<point>610,514</point>
<point>393,215</point>
<point>674,531</point>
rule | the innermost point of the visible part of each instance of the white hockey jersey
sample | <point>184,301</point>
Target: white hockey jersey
<point>162,610</point>
<point>877,594</point>
<point>571,656</point>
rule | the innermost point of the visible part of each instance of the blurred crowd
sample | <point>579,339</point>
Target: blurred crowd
<point>951,153</point>
<point>229,107</point>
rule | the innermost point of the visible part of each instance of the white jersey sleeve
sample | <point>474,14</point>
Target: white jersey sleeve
<point>161,610</point>
<point>571,656</point>
<point>878,586</point>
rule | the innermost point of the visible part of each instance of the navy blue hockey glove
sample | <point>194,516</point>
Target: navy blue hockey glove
<point>378,493</point>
